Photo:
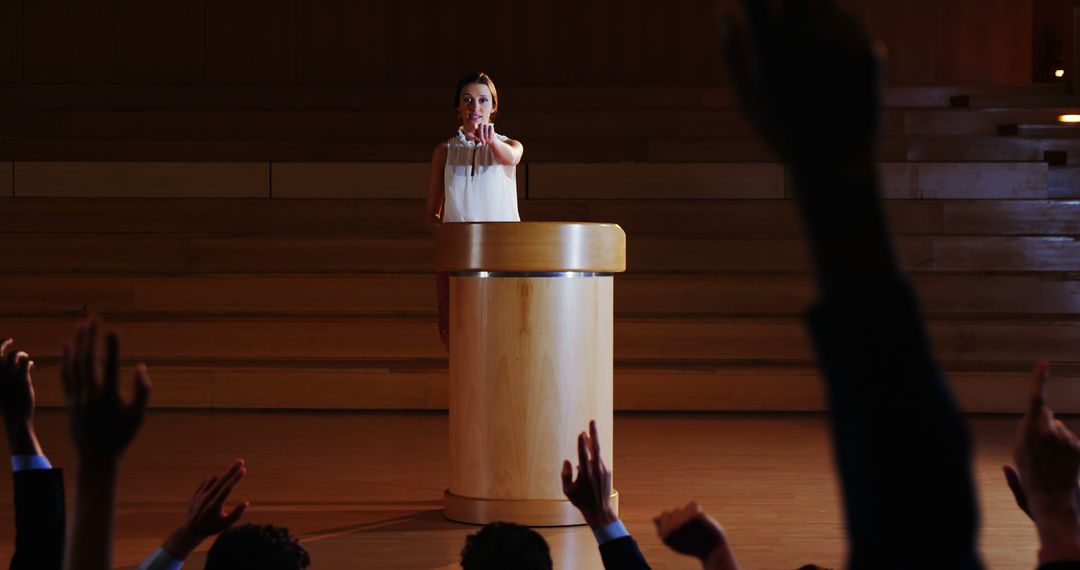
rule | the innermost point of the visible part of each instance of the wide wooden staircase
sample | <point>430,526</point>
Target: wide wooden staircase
<point>263,247</point>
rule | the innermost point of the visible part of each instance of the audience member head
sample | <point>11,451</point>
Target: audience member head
<point>502,546</point>
<point>257,547</point>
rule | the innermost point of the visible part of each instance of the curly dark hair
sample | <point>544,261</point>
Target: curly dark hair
<point>502,546</point>
<point>257,547</point>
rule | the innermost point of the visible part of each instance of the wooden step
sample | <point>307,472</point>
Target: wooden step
<point>240,296</point>
<point>1004,254</point>
<point>356,150</point>
<point>240,150</point>
<point>801,390</point>
<point>1041,130</point>
<point>893,149</point>
<point>362,386</point>
<point>1010,217</point>
<point>649,388</point>
<point>335,340</point>
<point>542,150</point>
<point>673,150</point>
<point>390,218</point>
<point>1045,296</point>
<point>779,340</point>
<point>699,218</point>
<point>973,122</point>
<point>204,217</point>
<point>964,180</point>
<point>1064,182</point>
<point>143,179</point>
<point>223,296</point>
<point>958,180</point>
<point>245,341</point>
<point>986,149</point>
<point>669,181</point>
<point>1015,101</point>
<point>218,217</point>
<point>154,254</point>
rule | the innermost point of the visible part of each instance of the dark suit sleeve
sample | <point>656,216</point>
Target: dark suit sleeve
<point>901,446</point>
<point>1065,565</point>
<point>623,554</point>
<point>39,519</point>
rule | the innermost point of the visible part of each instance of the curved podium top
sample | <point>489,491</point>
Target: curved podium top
<point>540,247</point>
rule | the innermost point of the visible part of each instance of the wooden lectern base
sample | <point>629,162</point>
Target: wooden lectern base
<point>530,513</point>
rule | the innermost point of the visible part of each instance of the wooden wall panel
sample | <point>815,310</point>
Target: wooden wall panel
<point>66,41</point>
<point>160,42</point>
<point>11,41</point>
<point>1052,30</point>
<point>352,180</point>
<point>534,29</point>
<point>557,42</point>
<point>501,48</point>
<point>251,41</point>
<point>342,41</point>
<point>142,179</point>
<point>700,56</point>
<point>431,43</point>
<point>984,41</point>
<point>545,42</point>
<point>7,187</point>
<point>910,54</point>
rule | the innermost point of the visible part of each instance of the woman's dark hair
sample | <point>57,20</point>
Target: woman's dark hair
<point>483,79</point>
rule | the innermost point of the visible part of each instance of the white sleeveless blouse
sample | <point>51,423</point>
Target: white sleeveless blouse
<point>477,188</point>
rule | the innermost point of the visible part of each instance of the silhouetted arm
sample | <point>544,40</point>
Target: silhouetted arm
<point>39,489</point>
<point>102,425</point>
<point>808,74</point>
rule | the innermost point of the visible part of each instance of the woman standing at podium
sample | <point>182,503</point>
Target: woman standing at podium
<point>473,174</point>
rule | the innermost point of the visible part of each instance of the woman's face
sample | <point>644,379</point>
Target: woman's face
<point>475,108</point>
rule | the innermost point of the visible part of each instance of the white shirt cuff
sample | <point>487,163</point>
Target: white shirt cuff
<point>610,532</point>
<point>161,560</point>
<point>29,462</point>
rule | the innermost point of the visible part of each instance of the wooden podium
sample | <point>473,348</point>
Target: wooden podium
<point>530,362</point>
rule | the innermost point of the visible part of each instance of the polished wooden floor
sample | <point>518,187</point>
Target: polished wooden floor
<point>363,490</point>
